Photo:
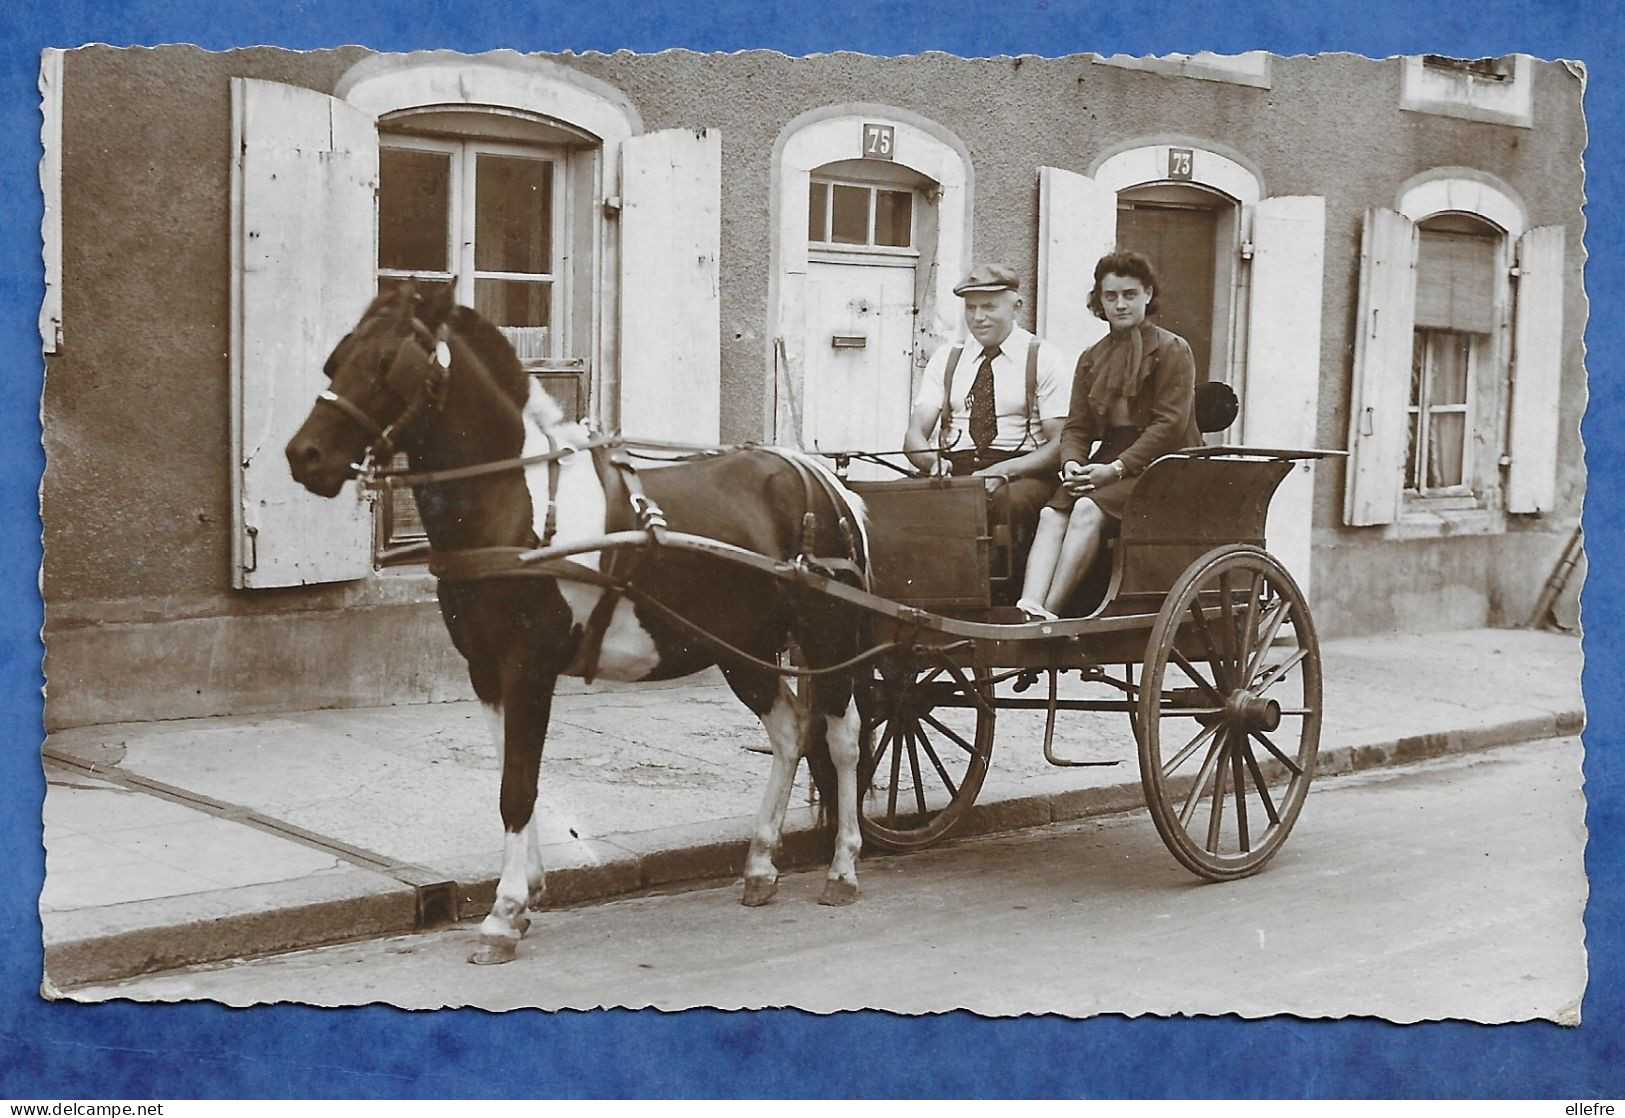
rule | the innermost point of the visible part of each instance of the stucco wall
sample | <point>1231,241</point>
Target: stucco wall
<point>137,492</point>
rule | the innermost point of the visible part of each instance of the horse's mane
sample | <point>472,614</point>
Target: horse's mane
<point>494,352</point>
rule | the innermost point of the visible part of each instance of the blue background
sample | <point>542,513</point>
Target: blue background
<point>64,1051</point>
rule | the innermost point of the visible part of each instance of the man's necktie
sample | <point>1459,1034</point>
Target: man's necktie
<point>984,419</point>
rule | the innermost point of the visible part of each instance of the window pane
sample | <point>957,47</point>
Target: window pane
<point>414,208</point>
<point>1413,427</point>
<point>1446,438</point>
<point>514,302</point>
<point>513,214</point>
<point>818,212</point>
<point>894,218</point>
<point>1412,481</point>
<point>851,215</point>
<point>1419,357</point>
<point>1450,369</point>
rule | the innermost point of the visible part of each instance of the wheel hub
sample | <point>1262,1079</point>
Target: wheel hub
<point>1250,712</point>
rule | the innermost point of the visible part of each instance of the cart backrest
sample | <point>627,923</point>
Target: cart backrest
<point>1183,506</point>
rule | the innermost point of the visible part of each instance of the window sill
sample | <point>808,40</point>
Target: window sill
<point>406,571</point>
<point>1424,520</point>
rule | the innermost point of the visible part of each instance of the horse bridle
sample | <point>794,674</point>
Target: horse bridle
<point>417,377</point>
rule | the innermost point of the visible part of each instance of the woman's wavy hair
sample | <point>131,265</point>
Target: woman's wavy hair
<point>1120,262</point>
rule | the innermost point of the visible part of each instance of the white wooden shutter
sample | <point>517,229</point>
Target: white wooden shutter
<point>1282,385</point>
<point>671,331</point>
<point>50,181</point>
<point>1382,369</point>
<point>304,175</point>
<point>1537,371</point>
<point>1077,225</point>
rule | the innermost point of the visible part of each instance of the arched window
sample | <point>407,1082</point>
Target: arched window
<point>1457,358</point>
<point>496,172</point>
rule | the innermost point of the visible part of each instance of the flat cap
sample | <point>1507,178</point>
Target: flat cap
<point>988,277</point>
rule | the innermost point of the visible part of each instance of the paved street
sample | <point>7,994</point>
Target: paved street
<point>1449,888</point>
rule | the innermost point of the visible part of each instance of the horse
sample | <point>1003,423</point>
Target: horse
<point>423,375</point>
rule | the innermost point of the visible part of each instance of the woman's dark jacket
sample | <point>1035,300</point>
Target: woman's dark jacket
<point>1162,410</point>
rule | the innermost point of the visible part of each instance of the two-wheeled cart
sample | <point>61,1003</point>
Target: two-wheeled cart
<point>1200,637</point>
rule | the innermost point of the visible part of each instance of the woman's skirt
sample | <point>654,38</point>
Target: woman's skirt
<point>1113,496</point>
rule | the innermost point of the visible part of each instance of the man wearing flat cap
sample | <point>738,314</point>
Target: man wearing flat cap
<point>993,406</point>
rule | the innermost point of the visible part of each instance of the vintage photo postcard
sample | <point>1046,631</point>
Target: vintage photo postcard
<point>1081,535</point>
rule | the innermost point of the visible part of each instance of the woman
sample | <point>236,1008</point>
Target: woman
<point>1134,391</point>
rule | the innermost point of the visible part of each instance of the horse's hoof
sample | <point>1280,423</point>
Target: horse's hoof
<point>534,901</point>
<point>495,949</point>
<point>838,892</point>
<point>758,891</point>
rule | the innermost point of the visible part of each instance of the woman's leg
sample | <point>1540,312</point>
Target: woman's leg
<point>1042,557</point>
<point>1078,549</point>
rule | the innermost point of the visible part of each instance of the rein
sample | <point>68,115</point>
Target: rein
<point>394,477</point>
<point>554,563</point>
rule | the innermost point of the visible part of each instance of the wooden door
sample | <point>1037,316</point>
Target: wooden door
<point>1180,243</point>
<point>860,347</point>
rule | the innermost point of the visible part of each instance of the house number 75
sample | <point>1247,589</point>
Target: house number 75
<point>877,141</point>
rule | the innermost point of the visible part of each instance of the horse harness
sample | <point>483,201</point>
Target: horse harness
<point>627,502</point>
<point>418,376</point>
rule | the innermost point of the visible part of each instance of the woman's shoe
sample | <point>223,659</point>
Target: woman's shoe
<point>1034,611</point>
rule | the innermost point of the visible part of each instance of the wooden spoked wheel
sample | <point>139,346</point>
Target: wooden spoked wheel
<point>1229,712</point>
<point>930,724</point>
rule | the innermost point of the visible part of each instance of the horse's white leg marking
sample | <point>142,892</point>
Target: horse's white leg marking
<point>507,920</point>
<point>535,871</point>
<point>523,880</point>
<point>842,730</point>
<point>783,725</point>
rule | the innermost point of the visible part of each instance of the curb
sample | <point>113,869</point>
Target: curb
<point>123,941</point>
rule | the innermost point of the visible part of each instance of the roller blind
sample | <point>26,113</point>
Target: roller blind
<point>1455,281</point>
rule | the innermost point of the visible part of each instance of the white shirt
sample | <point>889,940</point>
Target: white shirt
<point>1054,389</point>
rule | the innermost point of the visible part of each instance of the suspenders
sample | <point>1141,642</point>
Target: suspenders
<point>948,394</point>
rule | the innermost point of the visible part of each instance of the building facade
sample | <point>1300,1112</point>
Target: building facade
<point>1380,256</point>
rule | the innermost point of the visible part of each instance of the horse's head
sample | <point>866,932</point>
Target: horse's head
<point>382,376</point>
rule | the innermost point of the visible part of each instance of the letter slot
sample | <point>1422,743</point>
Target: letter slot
<point>848,341</point>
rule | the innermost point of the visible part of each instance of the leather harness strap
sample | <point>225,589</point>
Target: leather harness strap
<point>624,492</point>
<point>618,477</point>
<point>812,482</point>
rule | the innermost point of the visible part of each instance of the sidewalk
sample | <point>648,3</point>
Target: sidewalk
<point>171,843</point>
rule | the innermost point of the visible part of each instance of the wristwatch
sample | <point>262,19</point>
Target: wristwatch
<point>1122,471</point>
